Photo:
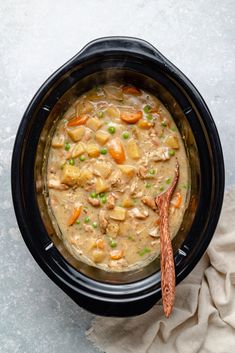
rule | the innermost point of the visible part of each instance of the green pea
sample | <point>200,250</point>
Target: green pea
<point>131,238</point>
<point>111,130</point>
<point>125,135</point>
<point>87,219</point>
<point>82,158</point>
<point>149,116</point>
<point>168,180</point>
<point>144,251</point>
<point>147,109</point>
<point>78,222</point>
<point>94,224</point>
<point>101,194</point>
<point>103,199</point>
<point>112,243</point>
<point>71,161</point>
<point>67,146</point>
<point>164,124</point>
<point>103,151</point>
<point>148,185</point>
<point>171,152</point>
<point>93,195</point>
<point>100,114</point>
<point>161,188</point>
<point>152,171</point>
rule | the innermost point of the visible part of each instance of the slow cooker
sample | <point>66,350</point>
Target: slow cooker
<point>137,62</point>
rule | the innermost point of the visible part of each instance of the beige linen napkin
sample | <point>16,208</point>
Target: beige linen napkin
<point>204,314</point>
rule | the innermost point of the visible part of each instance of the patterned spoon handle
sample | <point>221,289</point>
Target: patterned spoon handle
<point>167,260</point>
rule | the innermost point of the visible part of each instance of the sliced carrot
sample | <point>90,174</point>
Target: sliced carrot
<point>79,120</point>
<point>116,254</point>
<point>144,124</point>
<point>74,216</point>
<point>178,200</point>
<point>100,243</point>
<point>116,150</point>
<point>131,118</point>
<point>131,90</point>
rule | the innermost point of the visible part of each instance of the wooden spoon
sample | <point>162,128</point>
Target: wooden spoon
<point>167,260</point>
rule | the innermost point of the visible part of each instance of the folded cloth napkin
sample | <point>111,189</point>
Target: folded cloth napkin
<point>203,320</point>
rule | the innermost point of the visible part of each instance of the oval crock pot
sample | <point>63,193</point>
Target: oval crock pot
<point>135,61</point>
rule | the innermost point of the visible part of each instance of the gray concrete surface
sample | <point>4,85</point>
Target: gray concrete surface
<point>36,37</point>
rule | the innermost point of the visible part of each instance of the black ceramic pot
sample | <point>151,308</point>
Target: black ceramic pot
<point>134,61</point>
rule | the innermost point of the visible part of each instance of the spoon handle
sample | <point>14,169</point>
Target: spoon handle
<point>167,259</point>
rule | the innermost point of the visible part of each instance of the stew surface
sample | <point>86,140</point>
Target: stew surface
<point>112,153</point>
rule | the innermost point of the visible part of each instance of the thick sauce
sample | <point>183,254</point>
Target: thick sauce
<point>115,149</point>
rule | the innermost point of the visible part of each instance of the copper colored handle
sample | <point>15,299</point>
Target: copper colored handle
<point>167,259</point>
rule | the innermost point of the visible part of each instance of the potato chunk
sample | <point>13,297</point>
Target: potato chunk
<point>94,124</point>
<point>78,149</point>
<point>128,170</point>
<point>92,150</point>
<point>118,213</point>
<point>98,255</point>
<point>101,185</point>
<point>112,112</point>
<point>102,137</point>
<point>58,141</point>
<point>77,133</point>
<point>133,149</point>
<point>172,142</point>
<point>102,169</point>
<point>85,175</point>
<point>70,175</point>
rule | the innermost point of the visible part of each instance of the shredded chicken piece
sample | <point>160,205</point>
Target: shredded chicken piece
<point>116,179</point>
<point>87,135</point>
<point>143,173</point>
<point>134,190</point>
<point>111,201</point>
<point>159,130</point>
<point>154,232</point>
<point>88,228</point>
<point>133,186</point>
<point>118,264</point>
<point>135,212</point>
<point>149,201</point>
<point>89,186</point>
<point>154,138</point>
<point>56,184</point>
<point>159,154</point>
<point>94,202</point>
<point>103,221</point>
